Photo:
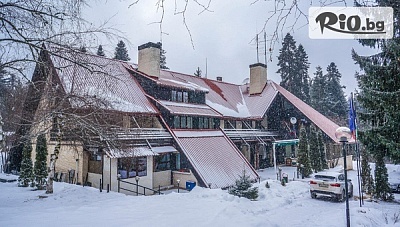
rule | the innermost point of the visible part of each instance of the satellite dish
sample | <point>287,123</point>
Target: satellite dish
<point>293,120</point>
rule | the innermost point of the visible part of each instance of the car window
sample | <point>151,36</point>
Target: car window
<point>341,177</point>
<point>324,177</point>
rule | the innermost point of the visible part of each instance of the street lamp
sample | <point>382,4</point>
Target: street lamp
<point>178,183</point>
<point>137,178</point>
<point>343,134</point>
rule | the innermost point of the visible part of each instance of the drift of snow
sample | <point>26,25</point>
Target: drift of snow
<point>289,205</point>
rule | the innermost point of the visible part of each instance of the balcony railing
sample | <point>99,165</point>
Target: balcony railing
<point>139,133</point>
<point>249,134</point>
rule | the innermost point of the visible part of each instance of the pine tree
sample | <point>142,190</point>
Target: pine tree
<point>317,93</point>
<point>321,148</point>
<point>41,161</point>
<point>366,176</point>
<point>315,156</point>
<point>382,187</point>
<point>83,49</point>
<point>243,188</point>
<point>336,101</point>
<point>163,58</point>
<point>121,53</point>
<point>286,62</point>
<point>379,98</point>
<point>100,51</point>
<point>26,174</point>
<point>302,65</point>
<point>303,156</point>
<point>198,72</point>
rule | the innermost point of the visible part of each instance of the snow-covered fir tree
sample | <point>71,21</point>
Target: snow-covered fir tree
<point>317,92</point>
<point>366,176</point>
<point>336,101</point>
<point>382,187</point>
<point>302,65</point>
<point>321,148</point>
<point>100,51</point>
<point>315,156</point>
<point>243,188</point>
<point>40,169</point>
<point>303,157</point>
<point>26,176</point>
<point>287,62</point>
<point>198,72</point>
<point>121,53</point>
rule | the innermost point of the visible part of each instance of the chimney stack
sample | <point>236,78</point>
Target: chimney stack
<point>149,59</point>
<point>258,78</point>
<point>219,78</point>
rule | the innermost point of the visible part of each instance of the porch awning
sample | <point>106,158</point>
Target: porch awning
<point>286,142</point>
<point>164,149</point>
<point>130,152</point>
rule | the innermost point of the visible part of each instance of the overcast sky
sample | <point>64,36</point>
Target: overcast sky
<point>223,37</point>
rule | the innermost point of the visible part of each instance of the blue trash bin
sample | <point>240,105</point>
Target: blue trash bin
<point>190,185</point>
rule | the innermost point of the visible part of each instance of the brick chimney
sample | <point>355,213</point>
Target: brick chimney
<point>149,59</point>
<point>258,78</point>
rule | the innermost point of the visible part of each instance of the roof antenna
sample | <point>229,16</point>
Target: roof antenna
<point>265,48</point>
<point>206,67</point>
<point>258,60</point>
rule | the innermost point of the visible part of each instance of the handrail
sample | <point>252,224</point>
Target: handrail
<point>137,186</point>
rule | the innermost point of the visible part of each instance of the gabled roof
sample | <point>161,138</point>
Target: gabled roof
<point>93,77</point>
<point>214,157</point>
<point>327,126</point>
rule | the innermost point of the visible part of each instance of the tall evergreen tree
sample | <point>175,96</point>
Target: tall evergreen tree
<point>41,161</point>
<point>322,152</point>
<point>121,53</point>
<point>366,176</point>
<point>315,156</point>
<point>379,98</point>
<point>100,51</point>
<point>336,101</point>
<point>287,63</point>
<point>163,58</point>
<point>303,155</point>
<point>302,65</point>
<point>317,93</point>
<point>26,171</point>
<point>382,187</point>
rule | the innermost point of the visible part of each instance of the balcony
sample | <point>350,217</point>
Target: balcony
<point>250,134</point>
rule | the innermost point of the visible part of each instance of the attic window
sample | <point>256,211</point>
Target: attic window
<point>179,96</point>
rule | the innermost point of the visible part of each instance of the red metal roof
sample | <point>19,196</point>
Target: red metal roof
<point>93,77</point>
<point>180,108</point>
<point>215,158</point>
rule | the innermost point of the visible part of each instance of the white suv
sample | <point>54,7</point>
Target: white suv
<point>330,184</point>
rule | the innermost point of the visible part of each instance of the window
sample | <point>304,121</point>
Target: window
<point>132,167</point>
<point>173,96</point>
<point>206,124</point>
<point>179,97</point>
<point>162,162</point>
<point>189,122</point>
<point>177,122</point>
<point>183,122</point>
<point>185,97</point>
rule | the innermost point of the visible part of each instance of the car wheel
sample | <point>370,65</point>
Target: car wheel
<point>313,195</point>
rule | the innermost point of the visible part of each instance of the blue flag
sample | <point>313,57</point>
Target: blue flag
<point>352,117</point>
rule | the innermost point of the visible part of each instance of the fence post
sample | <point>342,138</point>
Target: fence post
<point>144,191</point>
<point>100,186</point>
<point>159,189</point>
<point>119,183</point>
<point>108,188</point>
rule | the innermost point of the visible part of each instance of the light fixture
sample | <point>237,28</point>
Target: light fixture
<point>343,134</point>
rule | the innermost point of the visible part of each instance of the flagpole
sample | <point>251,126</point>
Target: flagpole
<point>353,118</point>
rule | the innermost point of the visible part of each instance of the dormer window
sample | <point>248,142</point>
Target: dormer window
<point>179,96</point>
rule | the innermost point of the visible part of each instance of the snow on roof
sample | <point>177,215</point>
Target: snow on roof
<point>130,152</point>
<point>163,149</point>
<point>189,109</point>
<point>180,83</point>
<point>215,158</point>
<point>92,77</point>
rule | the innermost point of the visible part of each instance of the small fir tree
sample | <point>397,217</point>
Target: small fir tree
<point>26,174</point>
<point>163,58</point>
<point>41,162</point>
<point>321,148</point>
<point>100,51</point>
<point>242,188</point>
<point>121,53</point>
<point>315,156</point>
<point>198,72</point>
<point>382,187</point>
<point>303,156</point>
<point>366,176</point>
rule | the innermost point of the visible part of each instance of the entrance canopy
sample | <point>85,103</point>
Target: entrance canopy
<point>282,143</point>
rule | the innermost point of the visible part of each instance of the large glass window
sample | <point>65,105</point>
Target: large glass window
<point>173,96</point>
<point>162,162</point>
<point>179,96</point>
<point>189,122</point>
<point>132,167</point>
<point>185,97</point>
<point>183,122</point>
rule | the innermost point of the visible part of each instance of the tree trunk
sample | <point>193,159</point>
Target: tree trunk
<point>53,158</point>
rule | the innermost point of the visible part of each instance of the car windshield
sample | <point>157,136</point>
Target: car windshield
<point>324,177</point>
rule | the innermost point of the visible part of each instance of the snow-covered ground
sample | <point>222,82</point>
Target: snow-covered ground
<point>289,205</point>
